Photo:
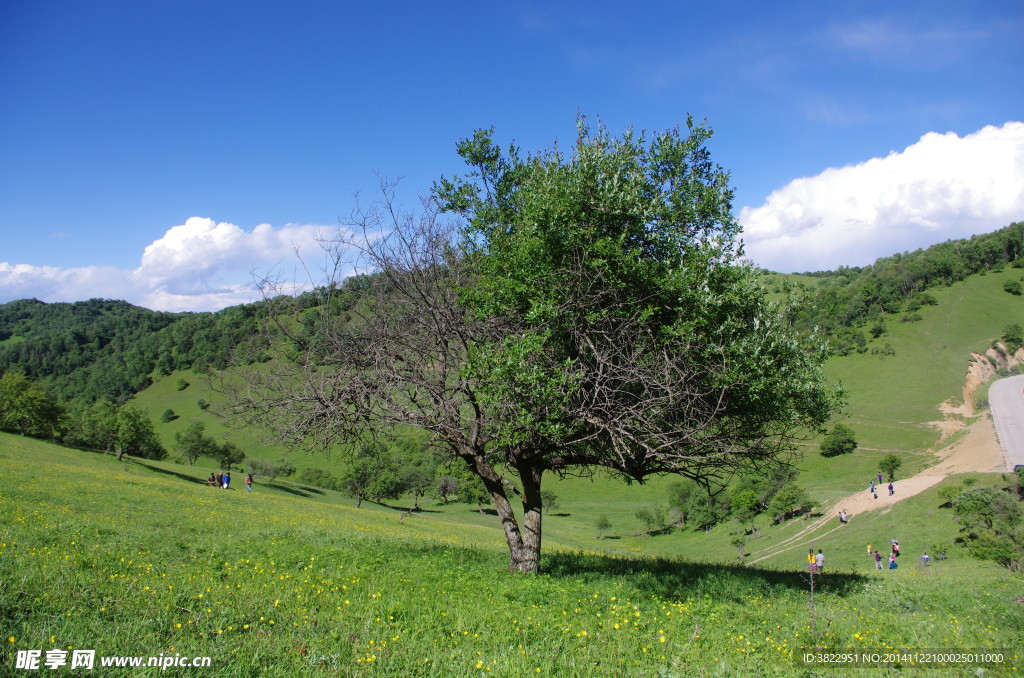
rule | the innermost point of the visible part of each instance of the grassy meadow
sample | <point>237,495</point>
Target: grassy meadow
<point>141,558</point>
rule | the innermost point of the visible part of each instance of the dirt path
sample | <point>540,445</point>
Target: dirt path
<point>976,452</point>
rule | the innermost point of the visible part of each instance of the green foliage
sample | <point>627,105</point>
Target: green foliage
<point>1013,337</point>
<point>788,502</point>
<point>168,415</point>
<point>25,408</point>
<point>628,244</point>
<point>181,384</point>
<point>108,349</point>
<point>549,500</point>
<point>840,440</point>
<point>319,478</point>
<point>229,454</point>
<point>848,298</point>
<point>1000,548</point>
<point>265,468</point>
<point>889,464</point>
<point>136,435</point>
<point>1013,287</point>
<point>602,524</point>
<point>193,442</point>
<point>985,507</point>
<point>654,518</point>
<point>372,474</point>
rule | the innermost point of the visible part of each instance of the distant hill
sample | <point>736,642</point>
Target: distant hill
<point>109,349</point>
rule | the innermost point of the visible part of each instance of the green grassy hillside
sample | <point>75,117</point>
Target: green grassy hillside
<point>142,559</point>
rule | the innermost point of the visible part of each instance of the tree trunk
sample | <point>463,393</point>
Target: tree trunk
<point>524,553</point>
<point>533,506</point>
<point>120,452</point>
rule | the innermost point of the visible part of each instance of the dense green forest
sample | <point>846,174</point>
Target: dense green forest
<point>108,349</point>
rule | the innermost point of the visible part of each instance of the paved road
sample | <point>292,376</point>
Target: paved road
<point>1006,397</point>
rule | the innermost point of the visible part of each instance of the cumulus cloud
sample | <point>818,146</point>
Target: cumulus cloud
<point>200,265</point>
<point>943,187</point>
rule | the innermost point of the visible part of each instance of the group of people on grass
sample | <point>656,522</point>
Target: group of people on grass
<point>893,555</point>
<point>223,480</point>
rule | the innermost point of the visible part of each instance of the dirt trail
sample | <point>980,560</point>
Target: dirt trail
<point>976,452</point>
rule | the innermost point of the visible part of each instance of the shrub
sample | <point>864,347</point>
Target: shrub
<point>1013,287</point>
<point>168,415</point>
<point>840,440</point>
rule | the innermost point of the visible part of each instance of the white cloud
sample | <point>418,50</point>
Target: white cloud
<point>200,265</point>
<point>943,187</point>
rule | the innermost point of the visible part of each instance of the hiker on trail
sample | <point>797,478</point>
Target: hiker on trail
<point>871,486</point>
<point>819,561</point>
<point>220,480</point>
<point>842,517</point>
<point>892,561</point>
<point>896,547</point>
<point>925,559</point>
<point>212,480</point>
<point>227,479</point>
<point>869,549</point>
<point>878,560</point>
<point>248,483</point>
<point>879,477</point>
<point>892,490</point>
<point>811,560</point>
<point>875,494</point>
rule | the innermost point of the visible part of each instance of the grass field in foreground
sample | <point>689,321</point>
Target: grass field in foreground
<point>138,559</point>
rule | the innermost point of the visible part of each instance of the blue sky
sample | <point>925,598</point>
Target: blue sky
<point>162,152</point>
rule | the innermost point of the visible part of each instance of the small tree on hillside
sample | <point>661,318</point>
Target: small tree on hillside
<point>193,442</point>
<point>840,440</point>
<point>447,486</point>
<point>136,434</point>
<point>550,500</point>
<point>227,454</point>
<point>889,464</point>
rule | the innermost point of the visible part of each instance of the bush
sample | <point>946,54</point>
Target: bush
<point>1013,287</point>
<point>790,501</point>
<point>1013,337</point>
<point>168,415</point>
<point>182,384</point>
<point>840,440</point>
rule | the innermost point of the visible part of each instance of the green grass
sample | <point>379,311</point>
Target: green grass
<point>142,559</point>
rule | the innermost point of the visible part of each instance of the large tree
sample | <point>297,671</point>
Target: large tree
<point>584,311</point>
